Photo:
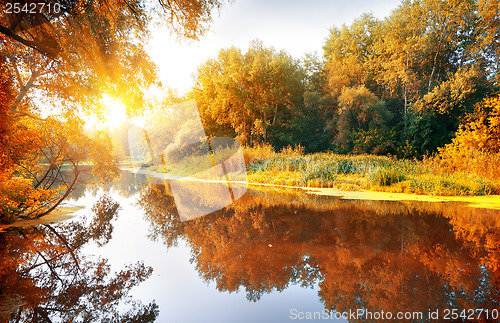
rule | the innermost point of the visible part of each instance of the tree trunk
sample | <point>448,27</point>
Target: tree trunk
<point>433,70</point>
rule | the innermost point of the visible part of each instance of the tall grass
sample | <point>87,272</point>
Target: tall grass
<point>291,167</point>
<point>386,176</point>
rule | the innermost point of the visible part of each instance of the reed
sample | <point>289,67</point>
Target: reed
<point>292,167</point>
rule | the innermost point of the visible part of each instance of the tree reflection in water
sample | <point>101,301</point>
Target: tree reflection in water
<point>391,256</point>
<point>44,276</point>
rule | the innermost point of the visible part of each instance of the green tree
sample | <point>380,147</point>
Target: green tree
<point>361,117</point>
<point>430,61</point>
<point>435,117</point>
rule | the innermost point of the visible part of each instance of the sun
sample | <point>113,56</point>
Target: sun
<point>116,112</point>
<point>111,115</point>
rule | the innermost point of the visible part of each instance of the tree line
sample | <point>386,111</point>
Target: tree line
<point>399,86</point>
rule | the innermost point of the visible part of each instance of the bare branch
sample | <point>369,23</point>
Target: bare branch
<point>68,191</point>
<point>65,242</point>
<point>24,88</point>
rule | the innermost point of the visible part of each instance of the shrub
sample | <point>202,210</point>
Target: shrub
<point>476,147</point>
<point>256,153</point>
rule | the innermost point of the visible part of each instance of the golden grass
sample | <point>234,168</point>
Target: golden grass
<point>291,167</point>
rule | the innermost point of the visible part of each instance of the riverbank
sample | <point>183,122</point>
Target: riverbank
<point>363,173</point>
<point>486,201</point>
<point>355,193</point>
<point>58,215</point>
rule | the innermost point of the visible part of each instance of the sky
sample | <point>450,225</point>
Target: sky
<point>296,26</point>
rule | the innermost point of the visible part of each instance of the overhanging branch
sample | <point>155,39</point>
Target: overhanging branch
<point>47,51</point>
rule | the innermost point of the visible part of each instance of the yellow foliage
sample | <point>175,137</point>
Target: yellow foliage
<point>476,147</point>
<point>257,152</point>
<point>37,155</point>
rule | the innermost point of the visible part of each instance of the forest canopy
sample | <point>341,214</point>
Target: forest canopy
<point>422,81</point>
<point>398,86</point>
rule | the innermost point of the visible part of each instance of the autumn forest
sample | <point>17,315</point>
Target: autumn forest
<point>407,104</point>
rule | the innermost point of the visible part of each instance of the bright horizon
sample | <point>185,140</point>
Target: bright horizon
<point>298,27</point>
<point>293,26</point>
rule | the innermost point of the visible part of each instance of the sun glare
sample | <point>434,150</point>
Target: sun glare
<point>116,112</point>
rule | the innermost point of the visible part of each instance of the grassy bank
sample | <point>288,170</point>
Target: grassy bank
<point>355,172</point>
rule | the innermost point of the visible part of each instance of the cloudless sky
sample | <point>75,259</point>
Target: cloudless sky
<point>296,26</point>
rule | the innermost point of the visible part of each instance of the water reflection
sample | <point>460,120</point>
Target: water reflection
<point>368,255</point>
<point>44,276</point>
<point>372,255</point>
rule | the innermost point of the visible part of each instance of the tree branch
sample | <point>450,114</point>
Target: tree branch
<point>18,75</point>
<point>65,242</point>
<point>68,191</point>
<point>45,260</point>
<point>24,88</point>
<point>47,51</point>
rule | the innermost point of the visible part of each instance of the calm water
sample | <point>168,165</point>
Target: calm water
<point>272,256</point>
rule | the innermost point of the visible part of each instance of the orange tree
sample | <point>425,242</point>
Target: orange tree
<point>63,62</point>
<point>252,95</point>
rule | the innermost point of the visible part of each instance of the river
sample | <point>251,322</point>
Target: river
<point>274,255</point>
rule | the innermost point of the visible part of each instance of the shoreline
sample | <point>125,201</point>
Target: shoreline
<point>483,201</point>
<point>60,214</point>
<point>478,201</point>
